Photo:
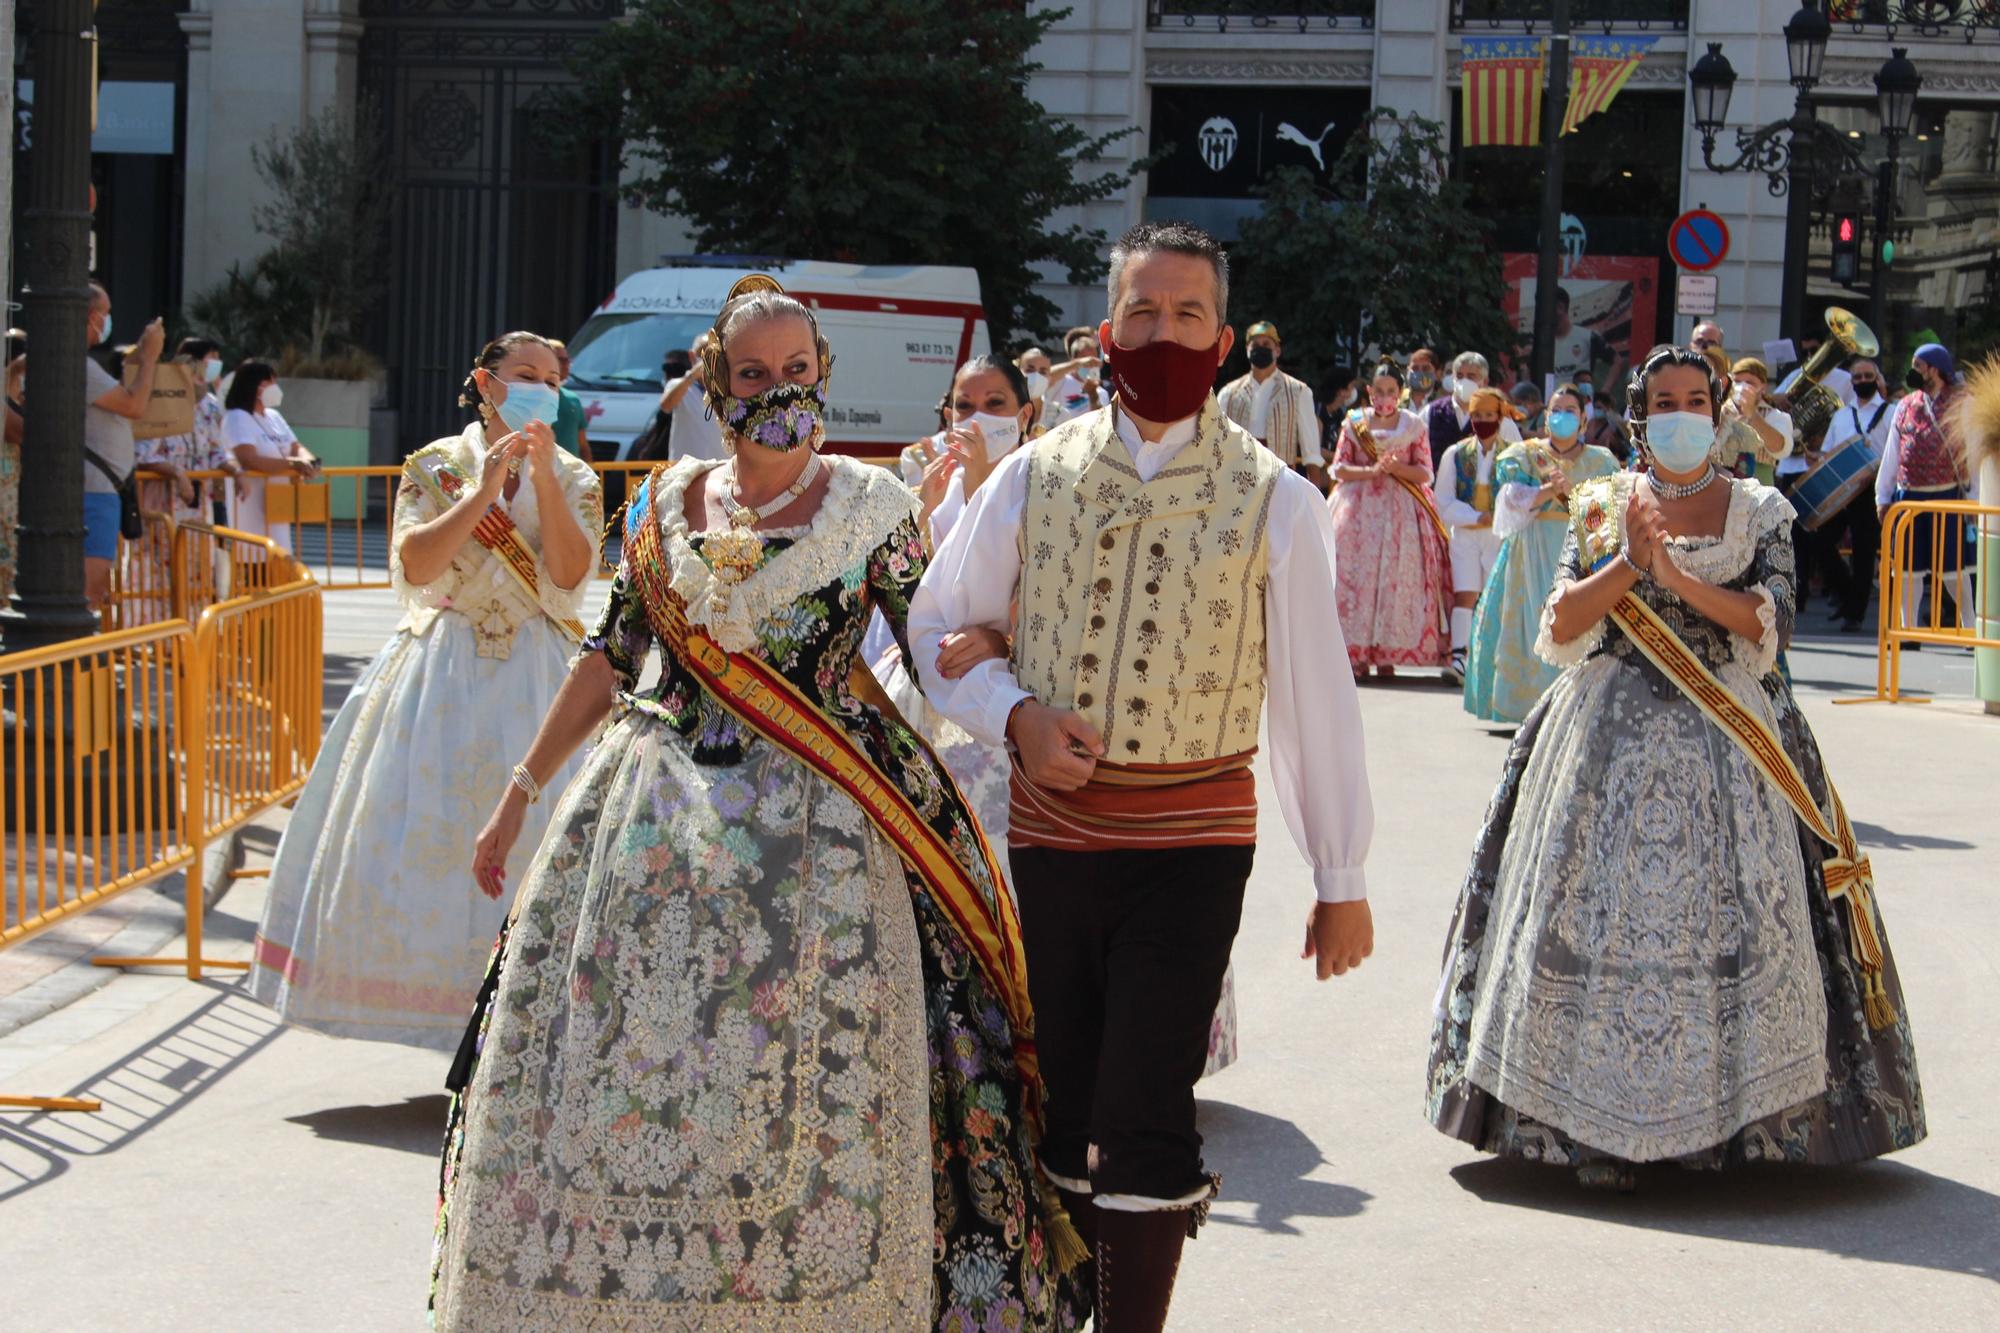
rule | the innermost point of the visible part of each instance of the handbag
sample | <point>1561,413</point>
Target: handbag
<point>131,524</point>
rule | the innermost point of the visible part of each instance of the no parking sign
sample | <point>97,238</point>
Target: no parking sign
<point>1698,240</point>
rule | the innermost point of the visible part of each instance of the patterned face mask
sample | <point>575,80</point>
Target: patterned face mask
<point>782,417</point>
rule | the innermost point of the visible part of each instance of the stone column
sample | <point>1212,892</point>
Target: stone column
<point>333,55</point>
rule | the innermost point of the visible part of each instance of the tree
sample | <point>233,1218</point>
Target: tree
<point>1397,256</point>
<point>304,301</point>
<point>327,210</point>
<point>870,131</point>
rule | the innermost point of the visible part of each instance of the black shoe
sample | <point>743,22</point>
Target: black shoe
<point>1853,626</point>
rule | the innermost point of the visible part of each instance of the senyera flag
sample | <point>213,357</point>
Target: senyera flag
<point>1598,69</point>
<point>1502,94</point>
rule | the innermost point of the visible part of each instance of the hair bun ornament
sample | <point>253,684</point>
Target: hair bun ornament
<point>753,282</point>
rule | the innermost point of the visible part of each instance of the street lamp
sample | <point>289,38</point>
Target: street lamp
<point>1897,84</point>
<point>1785,151</point>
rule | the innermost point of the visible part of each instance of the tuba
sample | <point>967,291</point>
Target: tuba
<point>1813,405</point>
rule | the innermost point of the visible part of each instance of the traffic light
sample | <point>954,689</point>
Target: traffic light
<point>1846,248</point>
<point>1888,252</point>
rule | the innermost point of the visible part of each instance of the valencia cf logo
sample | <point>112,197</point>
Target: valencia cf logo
<point>1218,142</point>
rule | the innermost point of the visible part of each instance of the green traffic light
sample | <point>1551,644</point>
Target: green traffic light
<point>1888,252</point>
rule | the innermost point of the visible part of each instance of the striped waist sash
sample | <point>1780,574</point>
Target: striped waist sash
<point>1137,806</point>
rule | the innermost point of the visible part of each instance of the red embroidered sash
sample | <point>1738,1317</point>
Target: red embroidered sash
<point>495,530</point>
<point>785,716</point>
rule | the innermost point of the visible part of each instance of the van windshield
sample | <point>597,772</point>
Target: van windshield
<point>622,353</point>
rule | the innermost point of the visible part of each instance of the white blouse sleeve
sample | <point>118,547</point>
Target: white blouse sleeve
<point>1568,571</point>
<point>585,494</point>
<point>1515,511</point>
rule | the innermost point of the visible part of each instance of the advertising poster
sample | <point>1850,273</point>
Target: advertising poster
<point>1611,315</point>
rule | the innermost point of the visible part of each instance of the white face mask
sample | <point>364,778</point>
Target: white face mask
<point>1462,389</point>
<point>1038,384</point>
<point>1001,433</point>
<point>271,395</point>
<point>1680,441</point>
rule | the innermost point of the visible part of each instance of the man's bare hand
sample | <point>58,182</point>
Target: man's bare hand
<point>1339,936</point>
<point>1059,749</point>
<point>962,650</point>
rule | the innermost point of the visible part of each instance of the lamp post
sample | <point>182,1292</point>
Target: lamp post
<point>49,605</point>
<point>1897,84</point>
<point>1788,151</point>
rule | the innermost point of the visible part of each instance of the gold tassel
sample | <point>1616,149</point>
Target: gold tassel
<point>1066,1247</point>
<point>1875,1002</point>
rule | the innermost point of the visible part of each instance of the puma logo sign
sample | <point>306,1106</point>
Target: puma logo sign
<point>1290,133</point>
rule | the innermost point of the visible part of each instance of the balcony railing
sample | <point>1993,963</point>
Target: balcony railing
<point>1261,15</point>
<point>1608,15</point>
<point>1933,19</point>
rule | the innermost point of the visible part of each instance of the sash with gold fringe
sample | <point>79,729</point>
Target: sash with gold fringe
<point>1849,876</point>
<point>495,531</point>
<point>780,712</point>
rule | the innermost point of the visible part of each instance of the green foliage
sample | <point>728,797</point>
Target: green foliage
<point>326,209</point>
<point>1391,257</point>
<point>869,131</point>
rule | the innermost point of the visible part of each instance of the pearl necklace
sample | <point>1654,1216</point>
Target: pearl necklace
<point>1674,490</point>
<point>737,551</point>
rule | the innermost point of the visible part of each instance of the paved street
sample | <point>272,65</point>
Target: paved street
<point>243,1176</point>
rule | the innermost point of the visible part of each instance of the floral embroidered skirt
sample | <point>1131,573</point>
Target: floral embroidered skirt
<point>1644,964</point>
<point>374,927</point>
<point>735,1074</point>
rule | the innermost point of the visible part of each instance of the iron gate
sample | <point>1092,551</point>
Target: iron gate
<point>496,224</point>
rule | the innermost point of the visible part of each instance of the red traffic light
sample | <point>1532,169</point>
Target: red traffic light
<point>1845,229</point>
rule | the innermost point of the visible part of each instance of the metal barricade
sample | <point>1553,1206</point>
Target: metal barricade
<point>122,755</point>
<point>91,774</point>
<point>1926,546</point>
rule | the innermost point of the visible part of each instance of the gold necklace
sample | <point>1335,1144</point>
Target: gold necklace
<point>737,551</point>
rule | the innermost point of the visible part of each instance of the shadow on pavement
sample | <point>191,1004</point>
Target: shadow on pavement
<point>415,1124</point>
<point>140,1090</point>
<point>1264,1161</point>
<point>342,670</point>
<point>1874,835</point>
<point>1882,1211</point>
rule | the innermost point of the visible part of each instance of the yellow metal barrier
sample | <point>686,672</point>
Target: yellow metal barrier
<point>250,726</point>
<point>122,755</point>
<point>90,780</point>
<point>179,567</point>
<point>367,495</point>
<point>1935,532</point>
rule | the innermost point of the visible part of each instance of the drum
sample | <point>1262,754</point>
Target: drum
<point>1843,472</point>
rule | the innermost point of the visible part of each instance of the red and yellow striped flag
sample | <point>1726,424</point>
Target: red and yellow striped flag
<point>1598,69</point>
<point>1502,91</point>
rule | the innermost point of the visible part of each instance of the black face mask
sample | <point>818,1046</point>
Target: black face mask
<point>1865,389</point>
<point>1914,378</point>
<point>1261,357</point>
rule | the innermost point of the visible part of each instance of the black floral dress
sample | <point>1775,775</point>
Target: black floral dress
<point>737,1069</point>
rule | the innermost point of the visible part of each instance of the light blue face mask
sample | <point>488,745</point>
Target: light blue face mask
<point>1680,441</point>
<point>528,402</point>
<point>1563,424</point>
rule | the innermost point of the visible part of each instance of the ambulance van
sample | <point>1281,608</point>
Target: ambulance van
<point>897,332</point>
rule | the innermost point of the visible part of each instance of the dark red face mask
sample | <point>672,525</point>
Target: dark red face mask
<point>1163,381</point>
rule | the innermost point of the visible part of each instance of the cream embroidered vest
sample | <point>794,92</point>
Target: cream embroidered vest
<point>1142,603</point>
<point>1282,435</point>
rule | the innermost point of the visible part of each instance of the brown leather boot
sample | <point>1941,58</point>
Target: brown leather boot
<point>1138,1255</point>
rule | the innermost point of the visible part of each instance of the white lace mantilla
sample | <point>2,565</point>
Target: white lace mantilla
<point>863,504</point>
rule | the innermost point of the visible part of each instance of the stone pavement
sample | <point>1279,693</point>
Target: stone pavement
<point>247,1176</point>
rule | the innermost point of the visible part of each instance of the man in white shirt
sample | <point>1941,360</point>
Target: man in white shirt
<point>1134,539</point>
<point>1871,414</point>
<point>1463,490</point>
<point>695,433</point>
<point>1276,409</point>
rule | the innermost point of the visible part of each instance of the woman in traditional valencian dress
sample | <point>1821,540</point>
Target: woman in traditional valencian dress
<point>1390,561</point>
<point>1666,947</point>
<point>371,929</point>
<point>756,1051</point>
<point>1533,479</point>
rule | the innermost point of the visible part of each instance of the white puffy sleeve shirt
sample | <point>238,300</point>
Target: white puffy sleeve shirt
<point>1318,760</point>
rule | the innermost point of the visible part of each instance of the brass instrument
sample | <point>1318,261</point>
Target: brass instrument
<point>1813,405</point>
